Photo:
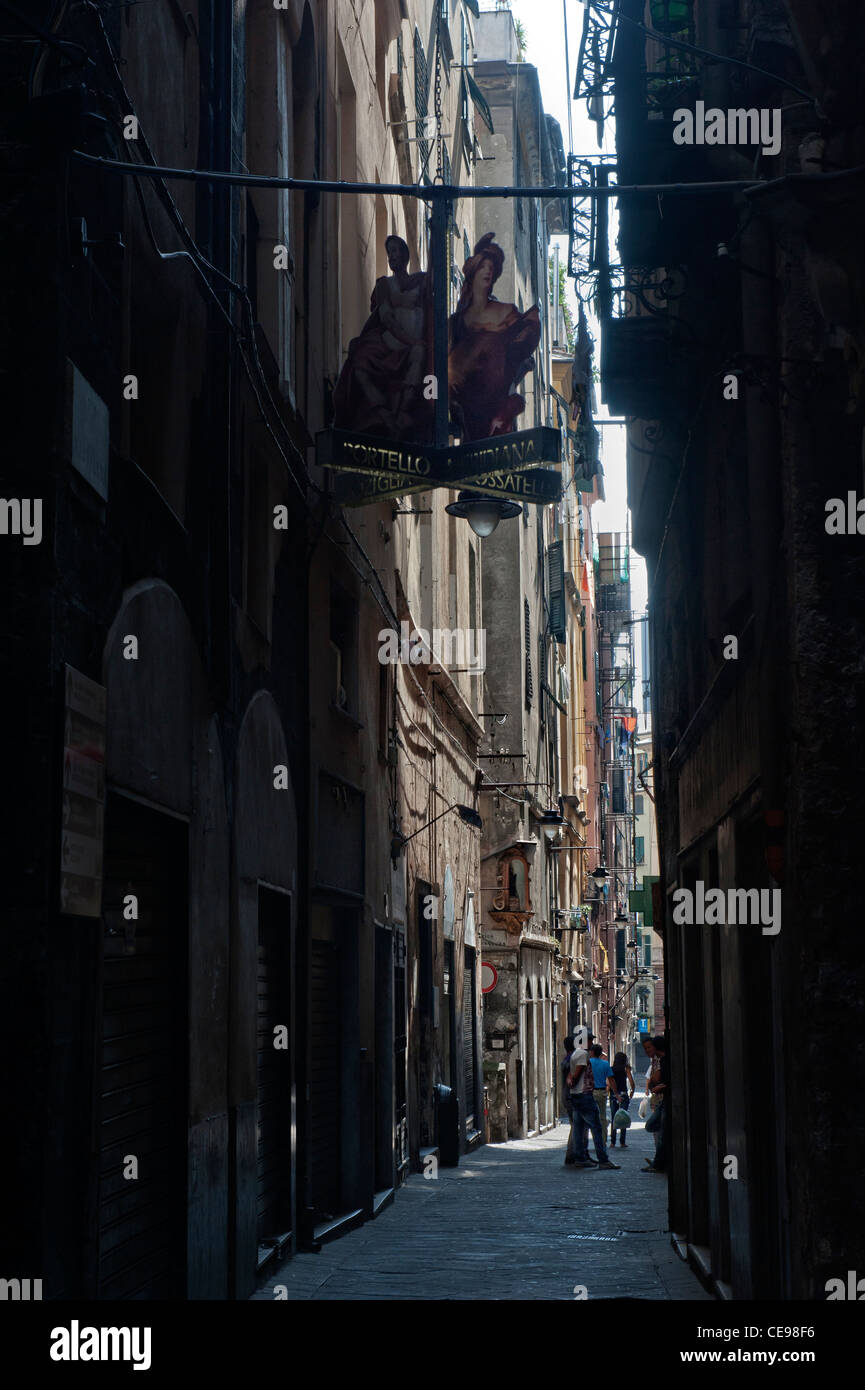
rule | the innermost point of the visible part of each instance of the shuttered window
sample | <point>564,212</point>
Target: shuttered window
<point>527,621</point>
<point>421,93</point>
<point>556,589</point>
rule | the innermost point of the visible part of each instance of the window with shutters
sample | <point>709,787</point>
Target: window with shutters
<point>556,590</point>
<point>527,623</point>
<point>421,90</point>
<point>639,849</point>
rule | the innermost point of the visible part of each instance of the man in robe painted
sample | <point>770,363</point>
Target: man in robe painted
<point>380,390</point>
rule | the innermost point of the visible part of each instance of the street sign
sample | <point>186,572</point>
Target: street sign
<point>507,465</point>
<point>489,977</point>
<point>538,485</point>
<point>363,453</point>
<point>505,452</point>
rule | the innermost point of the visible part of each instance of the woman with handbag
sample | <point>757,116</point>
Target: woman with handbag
<point>621,1087</point>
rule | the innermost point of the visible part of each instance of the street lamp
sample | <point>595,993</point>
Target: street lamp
<point>551,822</point>
<point>483,514</point>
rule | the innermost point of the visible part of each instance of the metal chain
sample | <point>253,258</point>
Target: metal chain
<point>437,106</point>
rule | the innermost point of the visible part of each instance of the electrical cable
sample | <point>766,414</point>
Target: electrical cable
<point>669,42</point>
<point>34,87</point>
<point>47,38</point>
<point>749,187</point>
<point>431,191</point>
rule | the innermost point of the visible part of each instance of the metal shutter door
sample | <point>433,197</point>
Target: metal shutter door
<point>325,1064</point>
<point>142,1079</point>
<point>273,1117</point>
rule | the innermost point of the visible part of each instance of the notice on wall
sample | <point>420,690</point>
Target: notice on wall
<point>83,811</point>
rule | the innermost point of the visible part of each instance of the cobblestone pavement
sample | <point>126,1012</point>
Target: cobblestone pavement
<point>511,1222</point>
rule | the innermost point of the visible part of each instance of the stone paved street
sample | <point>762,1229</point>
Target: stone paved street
<point>511,1222</point>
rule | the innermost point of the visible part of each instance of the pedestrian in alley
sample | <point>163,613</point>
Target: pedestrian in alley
<point>621,1086</point>
<point>653,1072</point>
<point>584,1109</point>
<point>659,1085</point>
<point>601,1073</point>
<point>564,1067</point>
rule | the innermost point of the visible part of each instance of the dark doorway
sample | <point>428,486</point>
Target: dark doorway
<point>275,1068</point>
<point>400,1053</point>
<point>766,1147</point>
<point>470,1037</point>
<point>384,1061</point>
<point>449,1018</point>
<point>142,1085</point>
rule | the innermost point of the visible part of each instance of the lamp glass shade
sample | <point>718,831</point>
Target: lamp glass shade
<point>669,16</point>
<point>483,520</point>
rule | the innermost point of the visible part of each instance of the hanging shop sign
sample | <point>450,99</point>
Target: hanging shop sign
<point>506,466</point>
<point>534,485</point>
<point>505,453</point>
<point>413,374</point>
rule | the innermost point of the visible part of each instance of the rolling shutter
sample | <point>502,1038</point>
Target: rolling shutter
<point>141,1220</point>
<point>325,1065</point>
<point>273,1114</point>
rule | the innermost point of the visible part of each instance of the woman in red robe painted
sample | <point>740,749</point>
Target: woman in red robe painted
<point>490,349</point>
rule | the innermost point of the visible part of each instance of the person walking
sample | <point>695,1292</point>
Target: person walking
<point>653,1073</point>
<point>659,1084</point>
<point>564,1067</point>
<point>621,1086</point>
<point>601,1073</point>
<point>584,1110</point>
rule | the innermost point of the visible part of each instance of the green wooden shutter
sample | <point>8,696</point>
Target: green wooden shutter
<point>556,590</point>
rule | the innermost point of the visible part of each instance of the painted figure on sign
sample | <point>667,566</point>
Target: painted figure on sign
<point>380,389</point>
<point>490,349</point>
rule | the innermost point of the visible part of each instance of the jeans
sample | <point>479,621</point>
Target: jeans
<point>654,1102</point>
<point>585,1117</point>
<point>601,1102</point>
<point>662,1153</point>
<point>614,1106</point>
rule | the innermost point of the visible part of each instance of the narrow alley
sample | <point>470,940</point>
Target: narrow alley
<point>511,1222</point>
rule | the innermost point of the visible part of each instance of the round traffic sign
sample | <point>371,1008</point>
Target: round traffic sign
<point>489,977</point>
